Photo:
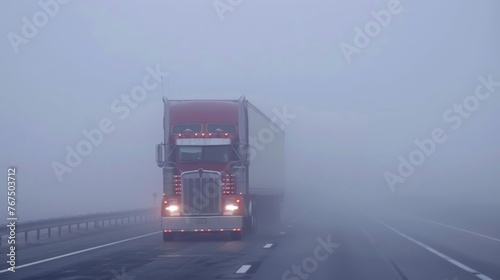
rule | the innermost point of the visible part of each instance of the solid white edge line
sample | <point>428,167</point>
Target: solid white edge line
<point>482,277</point>
<point>457,228</point>
<point>268,245</point>
<point>452,227</point>
<point>79,252</point>
<point>244,268</point>
<point>437,253</point>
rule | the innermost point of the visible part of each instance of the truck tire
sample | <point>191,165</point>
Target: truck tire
<point>236,235</point>
<point>253,224</point>
<point>251,219</point>
<point>168,236</point>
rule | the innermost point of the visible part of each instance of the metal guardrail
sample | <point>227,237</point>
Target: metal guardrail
<point>95,220</point>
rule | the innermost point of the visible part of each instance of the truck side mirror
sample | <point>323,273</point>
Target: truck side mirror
<point>160,160</point>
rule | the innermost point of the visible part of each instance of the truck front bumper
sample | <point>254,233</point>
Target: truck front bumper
<point>202,223</point>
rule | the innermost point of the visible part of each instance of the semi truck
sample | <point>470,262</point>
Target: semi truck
<point>223,164</point>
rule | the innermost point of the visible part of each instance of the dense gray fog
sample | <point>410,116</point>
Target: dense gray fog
<point>383,100</point>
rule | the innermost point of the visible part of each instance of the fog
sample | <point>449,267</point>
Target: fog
<point>355,109</point>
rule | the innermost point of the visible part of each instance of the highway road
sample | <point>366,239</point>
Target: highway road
<point>389,242</point>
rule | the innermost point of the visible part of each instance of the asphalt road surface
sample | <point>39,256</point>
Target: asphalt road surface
<point>321,242</point>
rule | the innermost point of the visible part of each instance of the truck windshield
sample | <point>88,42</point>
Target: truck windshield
<point>203,153</point>
<point>213,127</point>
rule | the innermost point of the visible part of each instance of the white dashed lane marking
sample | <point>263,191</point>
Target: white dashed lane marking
<point>243,268</point>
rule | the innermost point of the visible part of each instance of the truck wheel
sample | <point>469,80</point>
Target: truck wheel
<point>251,220</point>
<point>253,224</point>
<point>236,235</point>
<point>168,236</point>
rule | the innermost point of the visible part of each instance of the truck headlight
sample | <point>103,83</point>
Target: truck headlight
<point>231,207</point>
<point>172,208</point>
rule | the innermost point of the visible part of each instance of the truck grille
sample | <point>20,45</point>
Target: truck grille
<point>201,193</point>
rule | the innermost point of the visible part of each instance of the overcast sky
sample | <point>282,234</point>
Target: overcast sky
<point>359,100</point>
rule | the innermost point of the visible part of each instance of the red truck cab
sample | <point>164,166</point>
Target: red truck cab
<point>205,161</point>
